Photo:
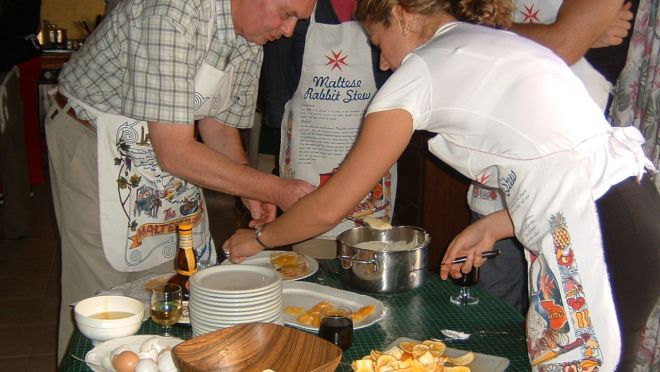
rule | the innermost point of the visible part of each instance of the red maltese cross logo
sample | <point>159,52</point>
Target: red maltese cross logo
<point>531,15</point>
<point>336,60</point>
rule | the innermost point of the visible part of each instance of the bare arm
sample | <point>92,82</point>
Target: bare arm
<point>180,154</point>
<point>227,140</point>
<point>578,26</point>
<point>223,139</point>
<point>478,237</point>
<point>383,138</point>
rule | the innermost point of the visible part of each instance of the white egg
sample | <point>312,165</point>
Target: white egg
<point>165,361</point>
<point>149,354</point>
<point>146,365</point>
<point>152,342</point>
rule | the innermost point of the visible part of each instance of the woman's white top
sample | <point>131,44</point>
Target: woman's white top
<point>495,92</point>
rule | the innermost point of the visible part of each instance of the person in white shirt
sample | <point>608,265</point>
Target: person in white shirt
<point>511,115</point>
<point>569,28</point>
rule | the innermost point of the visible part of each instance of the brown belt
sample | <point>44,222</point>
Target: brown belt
<point>62,101</point>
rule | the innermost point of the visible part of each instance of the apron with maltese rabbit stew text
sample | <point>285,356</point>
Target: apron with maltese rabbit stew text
<point>322,119</point>
<point>142,205</point>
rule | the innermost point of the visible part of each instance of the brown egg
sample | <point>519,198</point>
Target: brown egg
<point>125,361</point>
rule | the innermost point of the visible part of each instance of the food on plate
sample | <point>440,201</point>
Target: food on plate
<point>151,356</point>
<point>146,365</point>
<point>363,312</point>
<point>312,316</point>
<point>126,361</point>
<point>290,264</point>
<point>412,356</point>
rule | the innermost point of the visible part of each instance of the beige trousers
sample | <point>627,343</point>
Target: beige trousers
<point>74,182</point>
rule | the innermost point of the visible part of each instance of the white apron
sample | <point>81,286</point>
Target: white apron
<point>322,119</point>
<point>555,219</point>
<point>486,201</point>
<point>141,205</point>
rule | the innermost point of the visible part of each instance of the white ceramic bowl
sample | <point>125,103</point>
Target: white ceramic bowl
<point>106,329</point>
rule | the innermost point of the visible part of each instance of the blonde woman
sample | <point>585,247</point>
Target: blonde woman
<point>510,115</point>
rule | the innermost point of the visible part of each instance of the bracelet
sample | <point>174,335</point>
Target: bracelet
<point>257,236</point>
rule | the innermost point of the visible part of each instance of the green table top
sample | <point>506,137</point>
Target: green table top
<point>418,314</point>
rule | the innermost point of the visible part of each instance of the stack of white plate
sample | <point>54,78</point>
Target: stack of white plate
<point>223,296</point>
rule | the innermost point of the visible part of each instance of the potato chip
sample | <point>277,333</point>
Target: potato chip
<point>411,356</point>
<point>463,360</point>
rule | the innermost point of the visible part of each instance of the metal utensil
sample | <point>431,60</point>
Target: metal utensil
<point>452,335</point>
<point>374,223</point>
<point>486,255</point>
<point>88,363</point>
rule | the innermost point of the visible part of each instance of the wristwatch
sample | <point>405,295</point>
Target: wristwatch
<point>257,236</point>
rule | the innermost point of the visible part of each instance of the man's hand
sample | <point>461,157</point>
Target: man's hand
<point>617,30</point>
<point>261,212</point>
<point>291,191</point>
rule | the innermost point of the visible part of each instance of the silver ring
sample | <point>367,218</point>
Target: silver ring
<point>226,252</point>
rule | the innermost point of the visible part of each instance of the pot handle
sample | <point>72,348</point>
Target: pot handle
<point>357,260</point>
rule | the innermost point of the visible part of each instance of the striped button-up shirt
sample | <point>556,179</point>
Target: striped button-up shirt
<point>142,60</point>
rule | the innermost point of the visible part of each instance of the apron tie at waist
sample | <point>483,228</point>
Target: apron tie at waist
<point>629,139</point>
<point>62,101</point>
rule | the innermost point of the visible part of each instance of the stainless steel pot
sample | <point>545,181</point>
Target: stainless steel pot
<point>383,272</point>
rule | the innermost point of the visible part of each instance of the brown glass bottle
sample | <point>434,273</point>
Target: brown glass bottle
<point>186,263</point>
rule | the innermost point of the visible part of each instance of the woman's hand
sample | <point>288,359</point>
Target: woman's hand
<point>241,245</point>
<point>473,241</point>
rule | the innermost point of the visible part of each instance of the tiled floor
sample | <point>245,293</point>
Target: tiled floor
<point>29,278</point>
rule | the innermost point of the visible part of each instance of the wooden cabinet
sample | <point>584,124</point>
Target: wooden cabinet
<point>430,195</point>
<point>53,60</point>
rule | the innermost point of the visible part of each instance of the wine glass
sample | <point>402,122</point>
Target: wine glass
<point>166,305</point>
<point>337,326</point>
<point>466,281</point>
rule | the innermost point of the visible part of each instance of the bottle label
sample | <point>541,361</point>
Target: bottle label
<point>185,272</point>
<point>190,260</point>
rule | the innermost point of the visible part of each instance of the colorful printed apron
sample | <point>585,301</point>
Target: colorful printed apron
<point>141,205</point>
<point>322,119</point>
<point>485,200</point>
<point>571,322</point>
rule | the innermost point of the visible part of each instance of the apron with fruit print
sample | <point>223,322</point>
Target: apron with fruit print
<point>571,322</point>
<point>142,205</point>
<point>322,119</point>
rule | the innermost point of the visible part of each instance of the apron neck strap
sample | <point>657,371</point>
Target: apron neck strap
<point>312,19</point>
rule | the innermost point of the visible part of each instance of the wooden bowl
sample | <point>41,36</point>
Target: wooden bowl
<point>257,347</point>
